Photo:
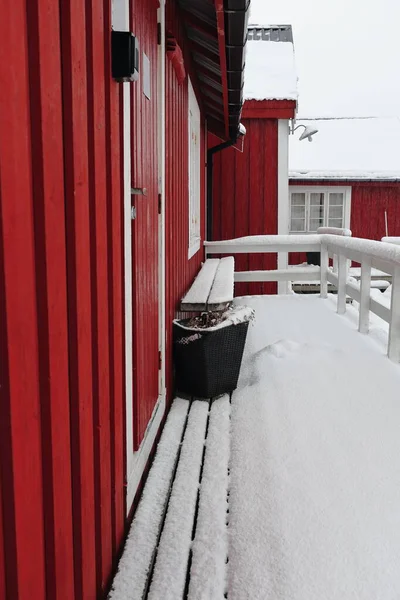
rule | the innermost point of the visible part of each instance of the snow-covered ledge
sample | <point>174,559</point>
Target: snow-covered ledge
<point>391,240</point>
<point>370,254</point>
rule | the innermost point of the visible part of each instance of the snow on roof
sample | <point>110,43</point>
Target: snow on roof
<point>366,148</point>
<point>270,72</point>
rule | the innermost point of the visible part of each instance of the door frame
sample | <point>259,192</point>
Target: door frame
<point>136,460</point>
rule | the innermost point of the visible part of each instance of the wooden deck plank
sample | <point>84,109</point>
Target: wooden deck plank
<point>131,579</point>
<point>210,544</point>
<point>169,576</point>
<point>178,543</point>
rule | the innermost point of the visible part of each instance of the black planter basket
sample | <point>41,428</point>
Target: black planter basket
<point>207,363</point>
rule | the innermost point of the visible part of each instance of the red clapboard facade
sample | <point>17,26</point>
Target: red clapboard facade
<point>245,186</point>
<point>88,295</point>
<point>370,200</point>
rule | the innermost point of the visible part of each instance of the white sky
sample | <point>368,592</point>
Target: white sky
<point>347,53</point>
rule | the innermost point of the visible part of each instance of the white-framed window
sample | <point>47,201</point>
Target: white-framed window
<point>194,173</point>
<point>315,207</point>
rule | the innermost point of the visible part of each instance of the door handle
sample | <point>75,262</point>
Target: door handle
<point>139,191</point>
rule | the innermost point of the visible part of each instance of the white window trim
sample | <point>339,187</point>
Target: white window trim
<point>194,112</point>
<point>304,189</point>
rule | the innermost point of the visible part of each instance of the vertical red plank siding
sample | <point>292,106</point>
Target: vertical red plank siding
<point>115,216</point>
<point>255,196</point>
<point>20,427</point>
<point>48,180</point>
<point>241,210</point>
<point>79,293</point>
<point>180,270</point>
<point>3,593</point>
<point>99,285</point>
<point>368,205</point>
<point>62,453</point>
<point>245,195</point>
<point>145,234</point>
<point>62,502</point>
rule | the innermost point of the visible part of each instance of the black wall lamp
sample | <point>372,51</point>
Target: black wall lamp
<point>124,56</point>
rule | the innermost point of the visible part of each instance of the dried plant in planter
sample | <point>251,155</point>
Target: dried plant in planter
<point>233,315</point>
<point>208,351</point>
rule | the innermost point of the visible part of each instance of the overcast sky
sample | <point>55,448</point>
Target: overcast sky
<point>347,53</point>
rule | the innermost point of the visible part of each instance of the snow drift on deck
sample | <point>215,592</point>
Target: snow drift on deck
<point>315,459</point>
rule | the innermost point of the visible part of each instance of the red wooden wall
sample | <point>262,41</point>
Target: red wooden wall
<point>369,200</point>
<point>245,195</point>
<point>145,228</point>
<point>180,271</point>
<point>61,289</point>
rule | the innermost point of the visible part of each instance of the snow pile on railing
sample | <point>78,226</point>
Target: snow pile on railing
<point>391,240</point>
<point>369,248</point>
<point>335,231</point>
<point>268,240</point>
<point>370,254</point>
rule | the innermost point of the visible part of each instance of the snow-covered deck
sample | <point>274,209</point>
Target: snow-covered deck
<point>311,440</point>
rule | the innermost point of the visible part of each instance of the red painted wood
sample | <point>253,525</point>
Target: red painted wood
<point>368,205</point>
<point>95,41</point>
<point>180,271</point>
<point>48,180</point>
<point>255,197</point>
<point>62,432</point>
<point>20,427</point>
<point>115,216</point>
<point>73,29</point>
<point>145,227</point>
<point>241,211</point>
<point>269,109</point>
<point>3,592</point>
<point>245,195</point>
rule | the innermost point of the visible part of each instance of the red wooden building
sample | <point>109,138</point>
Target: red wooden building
<point>250,188</point>
<point>352,170</point>
<point>102,204</point>
<point>349,176</point>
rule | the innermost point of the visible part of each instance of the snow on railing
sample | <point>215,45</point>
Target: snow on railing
<point>370,254</point>
<point>335,231</point>
<point>391,240</point>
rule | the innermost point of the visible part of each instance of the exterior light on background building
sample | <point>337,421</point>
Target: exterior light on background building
<point>308,132</point>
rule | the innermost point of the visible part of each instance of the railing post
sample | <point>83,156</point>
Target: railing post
<point>324,271</point>
<point>342,280</point>
<point>365,292</point>
<point>394,325</point>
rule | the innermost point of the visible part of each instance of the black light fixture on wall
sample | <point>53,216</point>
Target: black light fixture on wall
<point>124,56</point>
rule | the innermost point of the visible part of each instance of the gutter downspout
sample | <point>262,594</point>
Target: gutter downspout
<point>210,165</point>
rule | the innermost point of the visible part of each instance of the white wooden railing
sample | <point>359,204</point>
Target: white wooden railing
<point>370,254</point>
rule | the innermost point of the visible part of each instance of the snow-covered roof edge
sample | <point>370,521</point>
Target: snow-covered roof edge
<point>346,175</point>
<point>270,70</point>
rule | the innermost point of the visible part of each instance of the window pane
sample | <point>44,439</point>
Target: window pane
<point>335,212</point>
<point>317,212</point>
<point>298,199</point>
<point>335,223</point>
<point>336,199</point>
<point>298,225</point>
<point>314,224</point>
<point>316,199</point>
<point>298,212</point>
